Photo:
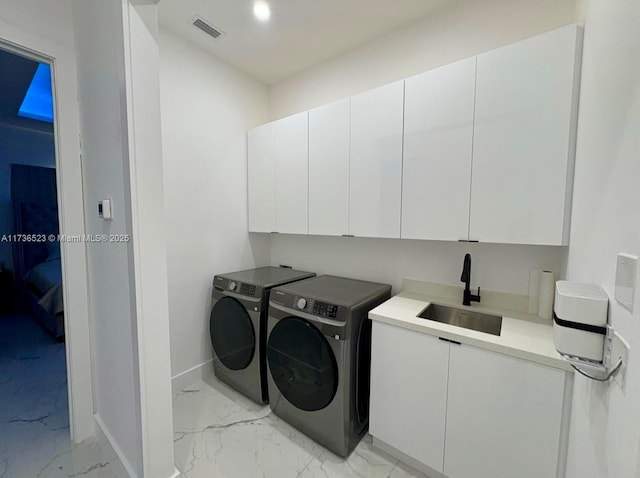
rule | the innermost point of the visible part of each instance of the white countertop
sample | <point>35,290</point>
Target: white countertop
<point>524,336</point>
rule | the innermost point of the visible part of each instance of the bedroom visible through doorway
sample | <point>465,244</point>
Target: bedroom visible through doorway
<point>34,411</point>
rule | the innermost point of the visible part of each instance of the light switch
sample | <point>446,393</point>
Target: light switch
<point>104,209</point>
<point>626,280</point>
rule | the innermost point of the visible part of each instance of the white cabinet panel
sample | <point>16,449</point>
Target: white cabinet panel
<point>329,168</point>
<point>438,137</point>
<point>523,147</point>
<point>261,178</point>
<point>292,163</point>
<point>503,416</point>
<point>376,162</point>
<point>409,392</point>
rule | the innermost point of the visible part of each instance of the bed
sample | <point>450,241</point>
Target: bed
<point>37,264</point>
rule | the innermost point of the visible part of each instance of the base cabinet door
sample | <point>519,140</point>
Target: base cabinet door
<point>503,416</point>
<point>409,392</point>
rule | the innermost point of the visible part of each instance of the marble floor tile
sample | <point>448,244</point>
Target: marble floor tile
<point>34,417</point>
<point>219,432</point>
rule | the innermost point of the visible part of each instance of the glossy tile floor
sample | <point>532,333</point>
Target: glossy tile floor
<point>220,433</point>
<point>34,420</point>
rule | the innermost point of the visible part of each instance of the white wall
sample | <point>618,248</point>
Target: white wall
<point>494,266</point>
<point>207,107</point>
<point>605,425</point>
<point>148,240</point>
<point>21,146</point>
<point>101,81</point>
<point>457,31</point>
<point>50,19</point>
<point>460,30</point>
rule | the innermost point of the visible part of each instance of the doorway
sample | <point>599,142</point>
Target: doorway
<point>69,201</point>
<point>34,408</point>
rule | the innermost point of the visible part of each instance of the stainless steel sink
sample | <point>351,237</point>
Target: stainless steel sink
<point>469,319</point>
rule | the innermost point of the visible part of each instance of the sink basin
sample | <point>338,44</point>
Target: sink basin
<point>469,319</point>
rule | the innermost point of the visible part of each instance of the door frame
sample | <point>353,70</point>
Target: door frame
<point>71,217</point>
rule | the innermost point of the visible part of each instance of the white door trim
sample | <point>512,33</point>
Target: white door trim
<point>71,213</point>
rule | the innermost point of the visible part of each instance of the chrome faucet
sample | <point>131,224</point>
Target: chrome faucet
<point>467,296</point>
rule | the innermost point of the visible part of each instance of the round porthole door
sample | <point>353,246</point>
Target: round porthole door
<point>232,334</point>
<point>302,364</point>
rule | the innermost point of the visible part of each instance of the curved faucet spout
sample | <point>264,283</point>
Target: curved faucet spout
<point>467,296</point>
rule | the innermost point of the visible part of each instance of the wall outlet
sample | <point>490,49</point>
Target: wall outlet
<point>626,280</point>
<point>620,350</point>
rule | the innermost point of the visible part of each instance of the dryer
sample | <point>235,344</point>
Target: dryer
<point>237,326</point>
<point>319,354</point>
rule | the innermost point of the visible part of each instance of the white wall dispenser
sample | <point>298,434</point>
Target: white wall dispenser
<point>581,333</point>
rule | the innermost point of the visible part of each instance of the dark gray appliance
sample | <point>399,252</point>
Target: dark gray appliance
<point>237,326</point>
<point>319,354</point>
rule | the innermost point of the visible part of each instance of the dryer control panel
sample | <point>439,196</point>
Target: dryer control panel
<point>224,284</point>
<point>310,306</point>
<point>325,310</point>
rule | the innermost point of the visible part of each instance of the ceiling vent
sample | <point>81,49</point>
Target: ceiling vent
<point>206,27</point>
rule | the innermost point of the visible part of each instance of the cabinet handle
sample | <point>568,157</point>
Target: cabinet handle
<point>348,235</point>
<point>468,240</point>
<point>449,340</point>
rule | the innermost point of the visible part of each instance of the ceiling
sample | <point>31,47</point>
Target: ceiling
<point>300,34</point>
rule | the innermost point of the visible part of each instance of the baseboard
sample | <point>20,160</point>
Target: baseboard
<point>191,376</point>
<point>406,459</point>
<point>118,462</point>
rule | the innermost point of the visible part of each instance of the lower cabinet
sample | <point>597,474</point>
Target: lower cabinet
<point>409,392</point>
<point>463,411</point>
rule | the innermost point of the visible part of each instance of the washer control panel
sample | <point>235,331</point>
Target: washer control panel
<point>241,288</point>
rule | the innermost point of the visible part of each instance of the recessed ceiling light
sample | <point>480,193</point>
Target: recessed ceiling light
<point>261,10</point>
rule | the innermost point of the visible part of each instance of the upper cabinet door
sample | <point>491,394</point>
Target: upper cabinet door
<point>524,140</point>
<point>438,139</point>
<point>329,168</point>
<point>261,178</point>
<point>376,162</point>
<point>292,173</point>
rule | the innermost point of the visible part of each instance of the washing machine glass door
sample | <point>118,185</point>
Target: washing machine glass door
<point>232,334</point>
<point>302,364</point>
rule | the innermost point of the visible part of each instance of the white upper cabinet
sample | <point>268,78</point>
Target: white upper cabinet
<point>376,162</point>
<point>524,140</point>
<point>481,149</point>
<point>292,173</point>
<point>329,169</point>
<point>261,178</point>
<point>438,138</point>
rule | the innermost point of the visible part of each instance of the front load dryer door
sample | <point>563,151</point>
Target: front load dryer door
<point>302,364</point>
<point>232,334</point>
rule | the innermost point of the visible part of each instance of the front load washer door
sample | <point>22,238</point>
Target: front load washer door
<point>302,364</point>
<point>232,334</point>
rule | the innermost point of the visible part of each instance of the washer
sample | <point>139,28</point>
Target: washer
<point>319,354</point>
<point>237,325</point>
